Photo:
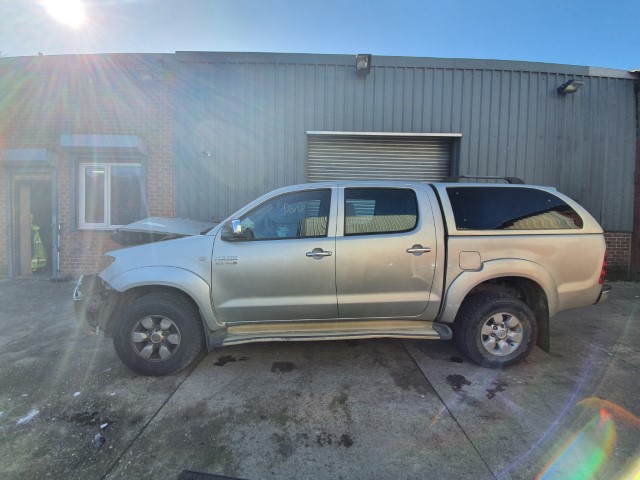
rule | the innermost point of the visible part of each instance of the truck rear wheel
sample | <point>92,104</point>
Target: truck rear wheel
<point>159,334</point>
<point>495,330</point>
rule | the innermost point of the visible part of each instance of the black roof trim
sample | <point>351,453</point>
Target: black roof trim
<point>456,179</point>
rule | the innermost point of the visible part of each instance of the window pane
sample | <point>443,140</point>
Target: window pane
<point>293,215</point>
<point>94,190</point>
<point>379,210</point>
<point>126,194</point>
<point>510,208</point>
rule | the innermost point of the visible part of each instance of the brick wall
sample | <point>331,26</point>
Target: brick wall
<point>125,94</point>
<point>618,253</point>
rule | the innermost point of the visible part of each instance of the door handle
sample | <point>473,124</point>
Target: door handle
<point>319,253</point>
<point>418,250</point>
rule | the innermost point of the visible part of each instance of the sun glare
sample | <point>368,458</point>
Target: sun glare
<point>68,12</point>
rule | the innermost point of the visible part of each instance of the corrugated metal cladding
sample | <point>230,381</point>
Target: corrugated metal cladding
<point>241,123</point>
<point>370,157</point>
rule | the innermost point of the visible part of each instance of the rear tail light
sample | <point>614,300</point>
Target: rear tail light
<point>603,272</point>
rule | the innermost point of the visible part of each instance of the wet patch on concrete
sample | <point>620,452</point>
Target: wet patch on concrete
<point>410,379</point>
<point>283,367</point>
<point>457,382</point>
<point>84,418</point>
<point>345,441</point>
<point>339,404</point>
<point>207,436</point>
<point>198,410</point>
<point>136,419</point>
<point>222,361</point>
<point>224,459</point>
<point>284,418</point>
<point>498,386</point>
<point>94,414</point>
<point>406,375</point>
<point>323,438</point>
<point>286,444</point>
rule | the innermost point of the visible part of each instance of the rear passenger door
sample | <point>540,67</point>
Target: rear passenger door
<point>385,252</point>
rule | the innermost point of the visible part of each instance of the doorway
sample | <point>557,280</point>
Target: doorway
<point>32,226</point>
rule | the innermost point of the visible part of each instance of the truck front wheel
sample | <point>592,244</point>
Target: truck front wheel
<point>495,330</point>
<point>159,334</point>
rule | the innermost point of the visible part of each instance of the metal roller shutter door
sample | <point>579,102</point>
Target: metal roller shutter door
<point>378,157</point>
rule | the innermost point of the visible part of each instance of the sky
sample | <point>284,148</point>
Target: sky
<point>598,33</point>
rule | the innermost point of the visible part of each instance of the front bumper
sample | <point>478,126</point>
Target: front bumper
<point>604,293</point>
<point>92,303</point>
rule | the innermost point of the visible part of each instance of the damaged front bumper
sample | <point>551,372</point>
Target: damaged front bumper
<point>93,302</point>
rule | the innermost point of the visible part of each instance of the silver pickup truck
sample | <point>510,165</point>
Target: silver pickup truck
<point>485,264</point>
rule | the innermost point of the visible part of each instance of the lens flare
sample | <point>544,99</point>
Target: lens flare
<point>586,452</point>
<point>632,472</point>
<point>619,413</point>
<point>67,12</point>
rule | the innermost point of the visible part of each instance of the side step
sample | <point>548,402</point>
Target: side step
<point>331,330</point>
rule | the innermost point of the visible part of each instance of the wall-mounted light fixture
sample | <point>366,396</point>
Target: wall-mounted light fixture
<point>363,63</point>
<point>570,86</point>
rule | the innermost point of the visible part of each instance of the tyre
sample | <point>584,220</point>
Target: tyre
<point>495,330</point>
<point>159,334</point>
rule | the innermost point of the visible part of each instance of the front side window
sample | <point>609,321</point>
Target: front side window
<point>510,208</point>
<point>110,195</point>
<point>292,215</point>
<point>368,211</point>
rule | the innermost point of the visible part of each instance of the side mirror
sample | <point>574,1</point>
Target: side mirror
<point>236,227</point>
<point>233,231</point>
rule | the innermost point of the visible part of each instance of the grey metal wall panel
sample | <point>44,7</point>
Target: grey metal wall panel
<point>252,112</point>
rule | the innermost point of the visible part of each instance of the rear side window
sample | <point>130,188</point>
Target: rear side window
<point>379,210</point>
<point>507,208</point>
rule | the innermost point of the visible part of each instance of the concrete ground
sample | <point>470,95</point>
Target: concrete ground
<point>388,409</point>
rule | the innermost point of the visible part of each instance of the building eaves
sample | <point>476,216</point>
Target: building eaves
<point>393,61</point>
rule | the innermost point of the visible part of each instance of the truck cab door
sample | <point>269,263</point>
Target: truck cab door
<point>282,267</point>
<point>385,252</point>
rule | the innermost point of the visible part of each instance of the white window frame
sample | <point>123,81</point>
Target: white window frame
<point>82,225</point>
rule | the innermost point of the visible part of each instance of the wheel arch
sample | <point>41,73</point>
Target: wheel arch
<point>521,279</point>
<point>136,283</point>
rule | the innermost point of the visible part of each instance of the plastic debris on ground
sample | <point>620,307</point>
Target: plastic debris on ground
<point>27,418</point>
<point>98,440</point>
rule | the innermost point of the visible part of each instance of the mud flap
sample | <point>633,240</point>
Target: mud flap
<point>542,318</point>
